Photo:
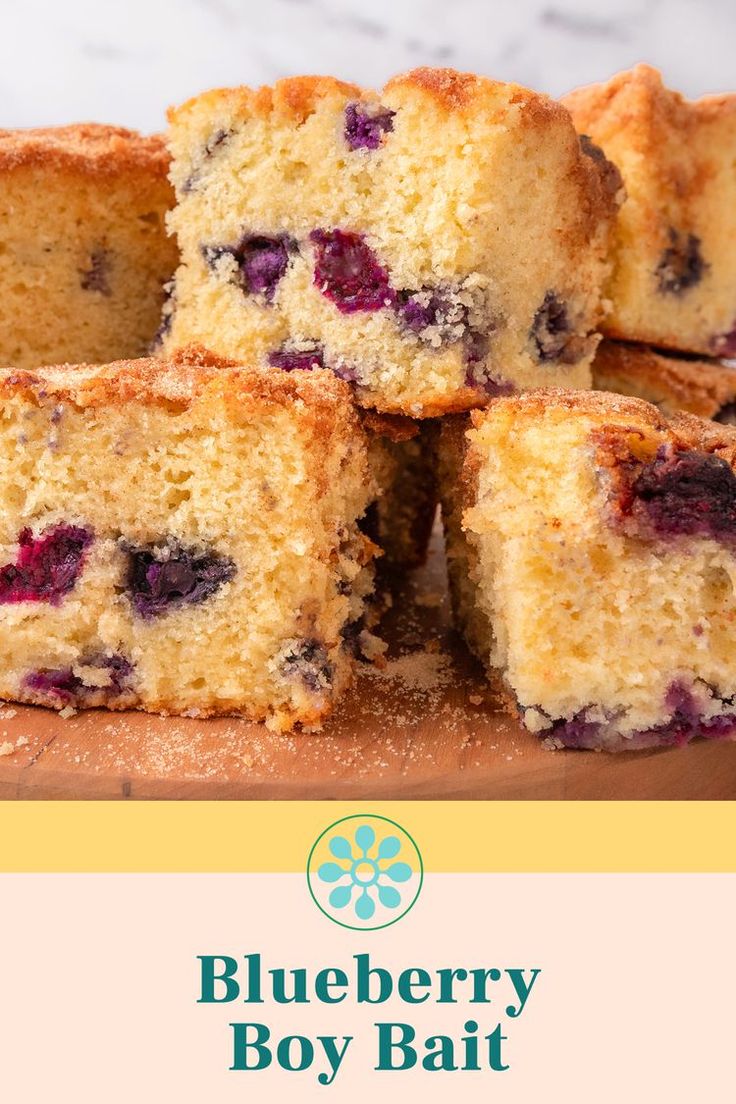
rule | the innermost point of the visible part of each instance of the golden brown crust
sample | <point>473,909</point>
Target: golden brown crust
<point>452,90</point>
<point>699,387</point>
<point>637,103</point>
<point>298,97</point>
<point>180,383</point>
<point>600,405</point>
<point>294,98</point>
<point>89,148</point>
<point>617,416</point>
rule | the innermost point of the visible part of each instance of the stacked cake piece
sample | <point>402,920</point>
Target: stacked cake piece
<point>436,243</point>
<point>673,283</point>
<point>590,542</point>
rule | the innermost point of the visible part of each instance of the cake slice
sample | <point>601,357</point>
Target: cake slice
<point>84,254</point>
<point>673,383</point>
<point>592,556</point>
<point>182,538</point>
<point>434,243</point>
<point>674,279</point>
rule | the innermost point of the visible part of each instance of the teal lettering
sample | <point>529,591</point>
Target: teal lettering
<point>471,1046</point>
<point>242,1045</point>
<point>480,984</point>
<point>298,994</point>
<point>494,1049</point>
<point>440,1053</point>
<point>387,1044</point>
<point>366,975</point>
<point>254,980</point>
<point>412,979</point>
<point>304,1048</point>
<point>228,967</point>
<point>521,989</point>
<point>334,1055</point>
<point>324,983</point>
<point>447,978</point>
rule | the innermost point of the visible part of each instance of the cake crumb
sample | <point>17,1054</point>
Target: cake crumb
<point>68,711</point>
<point>6,748</point>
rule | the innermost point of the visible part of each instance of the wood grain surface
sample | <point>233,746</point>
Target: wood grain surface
<point>427,726</point>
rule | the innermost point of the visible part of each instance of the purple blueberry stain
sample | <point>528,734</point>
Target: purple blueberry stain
<point>166,576</point>
<point>297,358</point>
<point>689,493</point>
<point>96,276</point>
<point>304,356</point>
<point>261,261</point>
<point>437,315</point>
<point>365,125</point>
<point>494,387</point>
<point>307,660</point>
<point>681,265</point>
<point>441,316</point>
<point>348,273</point>
<point>62,686</point>
<point>551,331</point>
<point>685,722</point>
<point>47,567</point>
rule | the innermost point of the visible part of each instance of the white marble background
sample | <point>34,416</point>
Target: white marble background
<point>126,61</point>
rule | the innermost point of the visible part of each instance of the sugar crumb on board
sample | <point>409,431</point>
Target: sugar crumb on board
<point>420,670</point>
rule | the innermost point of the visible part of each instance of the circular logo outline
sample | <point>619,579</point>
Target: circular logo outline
<point>385,820</point>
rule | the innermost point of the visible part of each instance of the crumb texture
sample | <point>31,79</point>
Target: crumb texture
<point>182,539</point>
<point>84,254</point>
<point>598,545</point>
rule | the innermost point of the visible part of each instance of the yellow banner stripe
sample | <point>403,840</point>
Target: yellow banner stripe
<point>452,836</point>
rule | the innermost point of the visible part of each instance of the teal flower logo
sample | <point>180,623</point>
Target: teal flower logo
<point>365,872</point>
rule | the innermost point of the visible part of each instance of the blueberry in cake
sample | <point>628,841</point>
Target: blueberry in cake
<point>183,537</point>
<point>433,244</point>
<point>84,255</point>
<point>674,279</point>
<point>592,556</point>
<point>672,382</point>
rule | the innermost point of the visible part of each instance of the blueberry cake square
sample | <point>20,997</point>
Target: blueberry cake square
<point>433,244</point>
<point>672,382</point>
<point>183,537</point>
<point>84,254</point>
<point>674,278</point>
<point>592,557</point>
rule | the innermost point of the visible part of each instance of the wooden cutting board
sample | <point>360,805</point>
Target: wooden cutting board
<point>425,727</point>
